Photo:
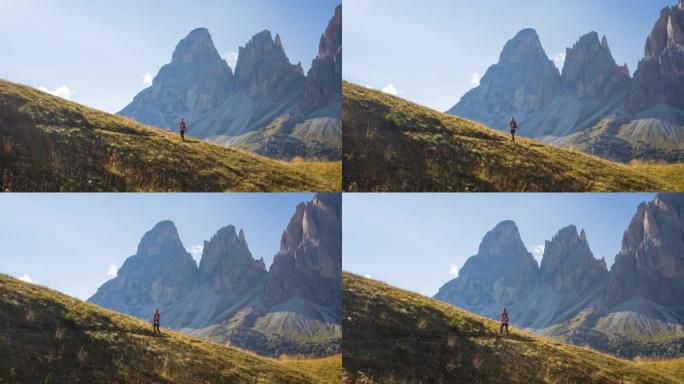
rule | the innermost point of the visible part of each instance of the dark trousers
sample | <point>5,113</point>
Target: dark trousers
<point>504,325</point>
<point>513,135</point>
<point>156,329</point>
<point>182,135</point>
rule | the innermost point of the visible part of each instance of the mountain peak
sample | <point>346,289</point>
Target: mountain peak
<point>161,238</point>
<point>524,47</point>
<point>196,46</point>
<point>590,70</point>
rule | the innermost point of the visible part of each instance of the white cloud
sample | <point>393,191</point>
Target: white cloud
<point>538,252</point>
<point>147,79</point>
<point>559,59</point>
<point>391,90</point>
<point>453,270</point>
<point>475,79</point>
<point>196,252</point>
<point>232,59</point>
<point>25,278</point>
<point>62,91</point>
<point>112,270</point>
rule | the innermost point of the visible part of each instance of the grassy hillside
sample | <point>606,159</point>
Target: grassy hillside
<point>394,336</point>
<point>49,144</point>
<point>48,337</point>
<point>673,368</point>
<point>391,144</point>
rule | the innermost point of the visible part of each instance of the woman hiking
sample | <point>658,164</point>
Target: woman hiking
<point>504,322</point>
<point>182,128</point>
<point>155,322</point>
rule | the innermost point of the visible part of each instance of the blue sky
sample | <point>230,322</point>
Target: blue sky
<point>98,52</point>
<point>413,240</point>
<point>69,241</point>
<point>428,51</point>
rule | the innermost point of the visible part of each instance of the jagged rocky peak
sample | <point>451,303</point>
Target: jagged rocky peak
<point>196,47</point>
<point>160,240</point>
<point>659,79</point>
<point>524,47</point>
<point>502,241</point>
<point>309,263</point>
<point>264,70</point>
<point>568,263</point>
<point>324,80</point>
<point>650,263</point>
<point>590,70</point>
<point>227,263</point>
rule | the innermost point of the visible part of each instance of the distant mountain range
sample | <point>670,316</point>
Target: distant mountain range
<point>292,308</point>
<point>635,308</point>
<point>593,105</point>
<point>268,106</point>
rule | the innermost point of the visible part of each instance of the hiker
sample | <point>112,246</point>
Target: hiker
<point>504,322</point>
<point>513,125</point>
<point>155,321</point>
<point>182,129</point>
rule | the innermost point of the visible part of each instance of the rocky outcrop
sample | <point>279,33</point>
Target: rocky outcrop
<point>568,264</point>
<point>309,264</point>
<point>227,264</point>
<point>231,298</point>
<point>590,72</point>
<point>243,110</point>
<point>160,274</point>
<point>650,264</point>
<point>660,75</point>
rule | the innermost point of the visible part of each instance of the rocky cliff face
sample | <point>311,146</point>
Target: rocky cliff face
<point>324,80</point>
<point>524,81</point>
<point>660,75</point>
<point>245,109</point>
<point>500,275</point>
<point>160,274</point>
<point>196,81</point>
<point>590,72</point>
<point>650,264</point>
<point>309,263</point>
<point>295,308</point>
<point>568,264</point>
<point>227,264</point>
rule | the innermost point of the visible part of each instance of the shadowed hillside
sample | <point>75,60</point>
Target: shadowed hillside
<point>395,336</point>
<point>49,144</point>
<point>48,337</point>
<point>394,145</point>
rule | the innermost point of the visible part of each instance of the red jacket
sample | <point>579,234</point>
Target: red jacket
<point>182,126</point>
<point>504,318</point>
<point>156,318</point>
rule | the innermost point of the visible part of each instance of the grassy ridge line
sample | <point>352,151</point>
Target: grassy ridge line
<point>49,337</point>
<point>395,336</point>
<point>394,145</point>
<point>50,144</point>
